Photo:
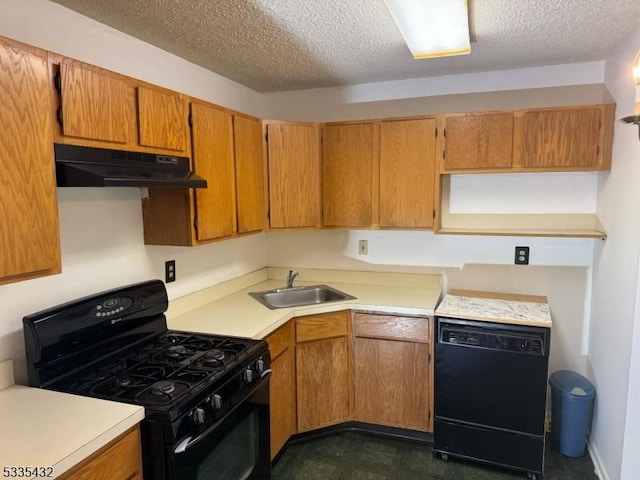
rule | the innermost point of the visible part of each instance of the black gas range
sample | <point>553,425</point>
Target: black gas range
<point>206,397</point>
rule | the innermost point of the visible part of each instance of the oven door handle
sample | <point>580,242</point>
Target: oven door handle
<point>188,442</point>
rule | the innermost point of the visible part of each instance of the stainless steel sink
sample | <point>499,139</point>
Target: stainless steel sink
<point>297,296</point>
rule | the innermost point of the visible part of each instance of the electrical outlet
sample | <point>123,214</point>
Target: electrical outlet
<point>170,271</point>
<point>522,256</point>
<point>363,247</point>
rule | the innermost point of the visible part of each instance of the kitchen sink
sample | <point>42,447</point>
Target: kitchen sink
<point>297,296</point>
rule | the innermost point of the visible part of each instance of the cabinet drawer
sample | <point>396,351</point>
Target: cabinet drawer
<point>317,327</point>
<point>279,341</point>
<point>412,329</point>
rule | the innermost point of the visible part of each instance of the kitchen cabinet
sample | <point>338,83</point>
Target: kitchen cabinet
<point>227,152</point>
<point>393,370</point>
<point>407,162</point>
<point>213,160</point>
<point>571,138</point>
<point>29,233</point>
<point>99,108</point>
<point>481,140</point>
<point>250,166</point>
<point>119,460</point>
<point>293,155</point>
<point>322,370</point>
<point>282,387</point>
<point>348,152</point>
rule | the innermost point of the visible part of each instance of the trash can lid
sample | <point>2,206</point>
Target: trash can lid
<point>572,383</point>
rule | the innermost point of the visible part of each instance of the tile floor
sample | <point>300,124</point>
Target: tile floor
<point>362,456</point>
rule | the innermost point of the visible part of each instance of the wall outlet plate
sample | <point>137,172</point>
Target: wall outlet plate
<point>169,271</point>
<point>522,256</point>
<point>363,247</point>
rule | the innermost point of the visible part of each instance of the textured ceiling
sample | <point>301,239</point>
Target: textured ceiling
<point>278,45</point>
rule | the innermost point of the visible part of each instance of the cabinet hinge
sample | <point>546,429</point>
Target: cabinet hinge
<point>434,216</point>
<point>59,114</point>
<point>266,136</point>
<point>444,154</point>
<point>195,223</point>
<point>57,81</point>
<point>269,214</point>
<point>190,120</point>
<point>444,132</point>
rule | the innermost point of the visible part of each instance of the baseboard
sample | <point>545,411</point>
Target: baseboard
<point>597,462</point>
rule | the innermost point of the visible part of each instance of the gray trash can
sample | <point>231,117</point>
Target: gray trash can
<point>572,398</point>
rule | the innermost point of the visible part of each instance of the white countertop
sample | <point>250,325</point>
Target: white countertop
<point>46,428</point>
<point>493,307</point>
<point>238,314</point>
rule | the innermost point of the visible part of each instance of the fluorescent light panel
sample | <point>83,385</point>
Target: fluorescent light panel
<point>432,28</point>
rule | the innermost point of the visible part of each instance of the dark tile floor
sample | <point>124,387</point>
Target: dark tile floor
<point>362,456</point>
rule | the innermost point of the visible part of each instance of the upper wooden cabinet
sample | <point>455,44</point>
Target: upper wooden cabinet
<point>544,139</point>
<point>95,104</point>
<point>227,151</point>
<point>407,153</point>
<point>213,160</point>
<point>162,119</point>
<point>348,152</point>
<point>478,141</point>
<point>250,187</point>
<point>566,138</point>
<point>29,232</point>
<point>293,153</point>
<point>96,107</point>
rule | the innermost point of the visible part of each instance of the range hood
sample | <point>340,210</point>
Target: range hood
<point>99,167</point>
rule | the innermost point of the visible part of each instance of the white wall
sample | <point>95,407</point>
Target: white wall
<point>615,284</point>
<point>101,229</point>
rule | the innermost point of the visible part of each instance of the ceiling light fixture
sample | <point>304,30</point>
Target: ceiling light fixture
<point>432,28</point>
<point>634,119</point>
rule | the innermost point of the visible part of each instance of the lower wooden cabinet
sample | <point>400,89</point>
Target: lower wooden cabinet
<point>392,371</point>
<point>282,387</point>
<point>322,370</point>
<point>118,460</point>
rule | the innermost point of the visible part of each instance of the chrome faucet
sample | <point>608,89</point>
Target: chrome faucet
<point>291,277</point>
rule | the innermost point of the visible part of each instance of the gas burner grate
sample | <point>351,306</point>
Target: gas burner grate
<point>162,392</point>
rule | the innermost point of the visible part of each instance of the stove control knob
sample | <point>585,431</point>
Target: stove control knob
<point>198,416</point>
<point>260,365</point>
<point>247,375</point>
<point>216,402</point>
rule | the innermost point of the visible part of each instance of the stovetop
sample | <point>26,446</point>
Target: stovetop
<point>164,372</point>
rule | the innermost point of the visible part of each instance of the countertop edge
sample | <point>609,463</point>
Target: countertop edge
<point>77,456</point>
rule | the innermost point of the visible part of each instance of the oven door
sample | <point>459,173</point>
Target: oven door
<point>234,448</point>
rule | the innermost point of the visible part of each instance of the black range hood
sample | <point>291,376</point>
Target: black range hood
<point>99,167</point>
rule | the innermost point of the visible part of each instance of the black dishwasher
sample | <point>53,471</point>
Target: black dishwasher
<point>490,393</point>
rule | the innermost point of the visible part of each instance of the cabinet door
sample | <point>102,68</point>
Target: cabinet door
<point>407,150</point>
<point>347,162</point>
<point>478,141</point>
<point>282,400</point>
<point>162,119</point>
<point>213,160</point>
<point>249,174</point>
<point>391,383</point>
<point>95,104</point>
<point>294,175</point>
<point>29,233</point>
<point>565,138</point>
<point>322,378</point>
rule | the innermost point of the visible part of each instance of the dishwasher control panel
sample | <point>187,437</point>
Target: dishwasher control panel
<point>502,339</point>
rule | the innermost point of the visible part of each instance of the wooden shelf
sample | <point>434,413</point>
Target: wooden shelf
<point>563,225</point>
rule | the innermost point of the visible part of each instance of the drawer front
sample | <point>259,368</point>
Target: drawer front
<point>410,329</point>
<point>279,341</point>
<point>326,325</point>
